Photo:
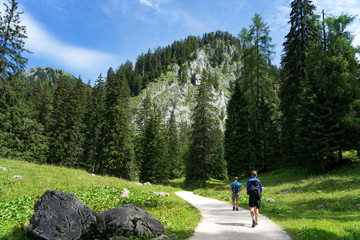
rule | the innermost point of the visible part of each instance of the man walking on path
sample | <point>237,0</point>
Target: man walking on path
<point>235,187</point>
<point>254,190</point>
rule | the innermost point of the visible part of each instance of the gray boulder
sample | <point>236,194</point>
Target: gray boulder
<point>321,206</point>
<point>128,220</point>
<point>270,200</point>
<point>60,216</point>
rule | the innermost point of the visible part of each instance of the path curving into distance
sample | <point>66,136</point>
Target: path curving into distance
<point>220,222</point>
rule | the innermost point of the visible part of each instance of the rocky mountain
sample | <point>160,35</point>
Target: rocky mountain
<point>168,91</point>
<point>47,74</point>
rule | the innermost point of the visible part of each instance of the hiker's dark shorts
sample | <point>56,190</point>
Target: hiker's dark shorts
<point>254,201</point>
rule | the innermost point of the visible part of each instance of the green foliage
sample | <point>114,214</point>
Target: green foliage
<point>117,152</point>
<point>252,132</point>
<point>18,197</point>
<point>203,156</point>
<point>12,36</point>
<point>302,35</point>
<point>328,94</point>
<point>296,211</point>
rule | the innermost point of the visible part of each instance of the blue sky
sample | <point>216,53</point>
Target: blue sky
<point>86,37</point>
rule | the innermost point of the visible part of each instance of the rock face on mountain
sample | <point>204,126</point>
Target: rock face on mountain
<point>60,216</point>
<point>47,74</point>
<point>168,91</point>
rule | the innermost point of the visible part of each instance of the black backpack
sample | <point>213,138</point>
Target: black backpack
<point>254,188</point>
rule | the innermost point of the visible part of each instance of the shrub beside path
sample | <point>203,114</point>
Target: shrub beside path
<point>220,222</point>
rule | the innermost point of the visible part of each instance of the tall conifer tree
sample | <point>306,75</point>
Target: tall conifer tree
<point>302,35</point>
<point>329,91</point>
<point>202,150</point>
<point>12,36</point>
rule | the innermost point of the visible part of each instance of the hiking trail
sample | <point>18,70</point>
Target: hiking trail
<point>220,222</point>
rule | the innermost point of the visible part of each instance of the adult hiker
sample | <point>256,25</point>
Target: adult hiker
<point>254,190</point>
<point>235,187</point>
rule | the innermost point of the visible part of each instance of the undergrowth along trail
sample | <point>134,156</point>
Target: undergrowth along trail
<point>18,196</point>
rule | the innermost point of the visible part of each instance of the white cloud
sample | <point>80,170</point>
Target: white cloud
<point>153,3</point>
<point>146,2</point>
<point>75,58</point>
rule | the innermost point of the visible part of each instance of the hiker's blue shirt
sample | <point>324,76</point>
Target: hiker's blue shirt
<point>232,185</point>
<point>249,183</point>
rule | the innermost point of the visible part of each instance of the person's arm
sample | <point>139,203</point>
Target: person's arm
<point>260,186</point>
<point>230,187</point>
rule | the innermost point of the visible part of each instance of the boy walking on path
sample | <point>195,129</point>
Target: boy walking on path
<point>254,190</point>
<point>235,187</point>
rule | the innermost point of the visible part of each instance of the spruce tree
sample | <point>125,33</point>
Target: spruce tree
<point>302,35</point>
<point>329,91</point>
<point>12,36</point>
<point>58,126</point>
<point>202,150</point>
<point>76,123</point>
<point>155,167</point>
<point>94,122</point>
<point>258,109</point>
<point>236,145</point>
<point>174,147</point>
<point>117,151</point>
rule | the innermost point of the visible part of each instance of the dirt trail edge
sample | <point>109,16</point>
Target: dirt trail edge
<point>220,222</point>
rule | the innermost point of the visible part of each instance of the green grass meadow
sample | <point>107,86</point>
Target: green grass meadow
<point>295,212</point>
<point>18,196</point>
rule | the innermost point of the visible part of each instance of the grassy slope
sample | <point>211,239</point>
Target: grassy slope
<point>338,191</point>
<point>17,197</point>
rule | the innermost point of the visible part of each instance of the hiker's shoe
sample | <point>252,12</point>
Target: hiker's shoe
<point>253,224</point>
<point>237,209</point>
<point>256,222</point>
<point>233,208</point>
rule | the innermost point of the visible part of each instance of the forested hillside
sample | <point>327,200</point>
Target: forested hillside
<point>210,106</point>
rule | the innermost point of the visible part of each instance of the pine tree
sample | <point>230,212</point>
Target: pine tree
<point>76,123</point>
<point>303,34</point>
<point>12,43</point>
<point>94,122</point>
<point>328,93</point>
<point>174,147</point>
<point>256,101</point>
<point>202,150</point>
<point>154,163</point>
<point>236,144</point>
<point>58,126</point>
<point>117,151</point>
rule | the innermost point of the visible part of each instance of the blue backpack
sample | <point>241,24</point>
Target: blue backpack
<point>236,187</point>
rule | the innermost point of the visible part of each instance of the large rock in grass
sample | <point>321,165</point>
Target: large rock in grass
<point>60,216</point>
<point>128,220</point>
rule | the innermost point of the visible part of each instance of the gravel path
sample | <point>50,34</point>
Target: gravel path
<point>220,222</point>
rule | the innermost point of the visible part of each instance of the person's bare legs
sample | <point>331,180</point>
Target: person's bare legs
<point>254,212</point>
<point>256,215</point>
